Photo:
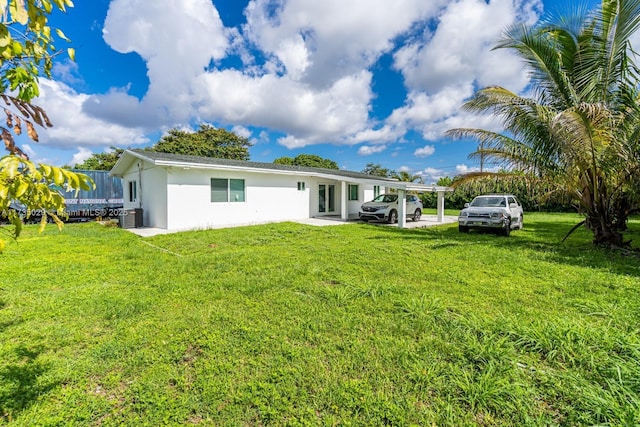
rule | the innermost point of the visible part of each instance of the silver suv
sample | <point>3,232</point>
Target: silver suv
<point>385,208</point>
<point>498,212</point>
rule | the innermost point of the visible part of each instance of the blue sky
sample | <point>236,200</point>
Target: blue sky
<point>356,81</point>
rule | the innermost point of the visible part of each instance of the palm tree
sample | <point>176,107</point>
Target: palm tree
<point>405,176</point>
<point>580,128</point>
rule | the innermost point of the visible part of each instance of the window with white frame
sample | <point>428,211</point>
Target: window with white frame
<point>227,190</point>
<point>376,191</point>
<point>353,192</point>
<point>301,186</point>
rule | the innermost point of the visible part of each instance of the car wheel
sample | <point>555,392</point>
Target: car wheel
<point>416,215</point>
<point>463,229</point>
<point>506,231</point>
<point>393,217</point>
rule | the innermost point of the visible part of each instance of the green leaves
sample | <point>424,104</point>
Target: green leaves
<point>308,160</point>
<point>18,11</point>
<point>64,177</point>
<point>27,43</point>
<point>61,35</point>
<point>207,142</point>
<point>5,37</point>
<point>578,128</point>
<point>36,188</point>
<point>101,161</point>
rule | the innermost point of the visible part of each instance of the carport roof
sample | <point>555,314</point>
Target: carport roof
<point>185,161</point>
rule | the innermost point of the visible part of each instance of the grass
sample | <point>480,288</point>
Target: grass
<point>296,325</point>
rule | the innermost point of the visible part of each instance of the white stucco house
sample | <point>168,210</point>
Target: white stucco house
<point>178,192</point>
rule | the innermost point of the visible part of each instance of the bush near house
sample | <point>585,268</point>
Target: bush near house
<point>535,197</point>
<point>288,324</point>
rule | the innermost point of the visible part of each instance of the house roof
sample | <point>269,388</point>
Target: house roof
<point>185,161</point>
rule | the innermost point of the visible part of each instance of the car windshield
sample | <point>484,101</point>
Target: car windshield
<point>490,202</point>
<point>386,198</point>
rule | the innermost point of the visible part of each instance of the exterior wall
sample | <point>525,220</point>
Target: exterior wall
<point>268,198</point>
<point>151,194</point>
<point>353,206</point>
<point>367,194</point>
<point>153,190</point>
<point>177,198</point>
<point>131,175</point>
<point>313,184</point>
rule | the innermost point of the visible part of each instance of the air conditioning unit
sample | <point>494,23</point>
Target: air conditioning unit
<point>131,218</point>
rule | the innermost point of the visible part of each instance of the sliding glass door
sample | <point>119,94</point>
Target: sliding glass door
<point>326,198</point>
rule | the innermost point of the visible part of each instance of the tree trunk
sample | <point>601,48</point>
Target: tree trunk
<point>605,233</point>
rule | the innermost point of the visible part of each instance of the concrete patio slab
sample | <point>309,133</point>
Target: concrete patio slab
<point>425,221</point>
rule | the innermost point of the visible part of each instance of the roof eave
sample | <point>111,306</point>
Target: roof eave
<point>128,156</point>
<point>124,162</point>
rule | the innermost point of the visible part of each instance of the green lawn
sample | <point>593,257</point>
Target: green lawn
<point>298,325</point>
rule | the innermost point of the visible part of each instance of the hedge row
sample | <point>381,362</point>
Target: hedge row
<point>533,196</point>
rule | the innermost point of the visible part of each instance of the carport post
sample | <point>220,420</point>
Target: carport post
<point>441,206</point>
<point>402,208</point>
<point>344,206</point>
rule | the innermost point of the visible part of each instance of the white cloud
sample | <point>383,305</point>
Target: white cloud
<point>367,150</point>
<point>432,171</point>
<point>33,155</point>
<point>241,131</point>
<point>311,78</point>
<point>294,55</point>
<point>28,150</point>
<point>263,138</point>
<point>67,71</point>
<point>315,89</point>
<point>308,117</point>
<point>422,108</point>
<point>322,41</point>
<point>425,151</point>
<point>72,127</point>
<point>404,169</point>
<point>431,175</point>
<point>444,67</point>
<point>462,169</point>
<point>177,40</point>
<point>82,155</point>
<point>383,134</point>
<point>459,51</point>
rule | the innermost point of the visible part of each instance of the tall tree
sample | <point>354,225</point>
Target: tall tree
<point>444,181</point>
<point>101,161</point>
<point>580,129</point>
<point>377,170</point>
<point>207,141</point>
<point>405,176</point>
<point>307,160</point>
<point>289,161</point>
<point>26,52</point>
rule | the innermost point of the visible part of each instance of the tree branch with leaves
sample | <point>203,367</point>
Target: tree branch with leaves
<point>27,50</point>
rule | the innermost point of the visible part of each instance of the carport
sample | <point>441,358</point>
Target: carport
<point>402,188</point>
